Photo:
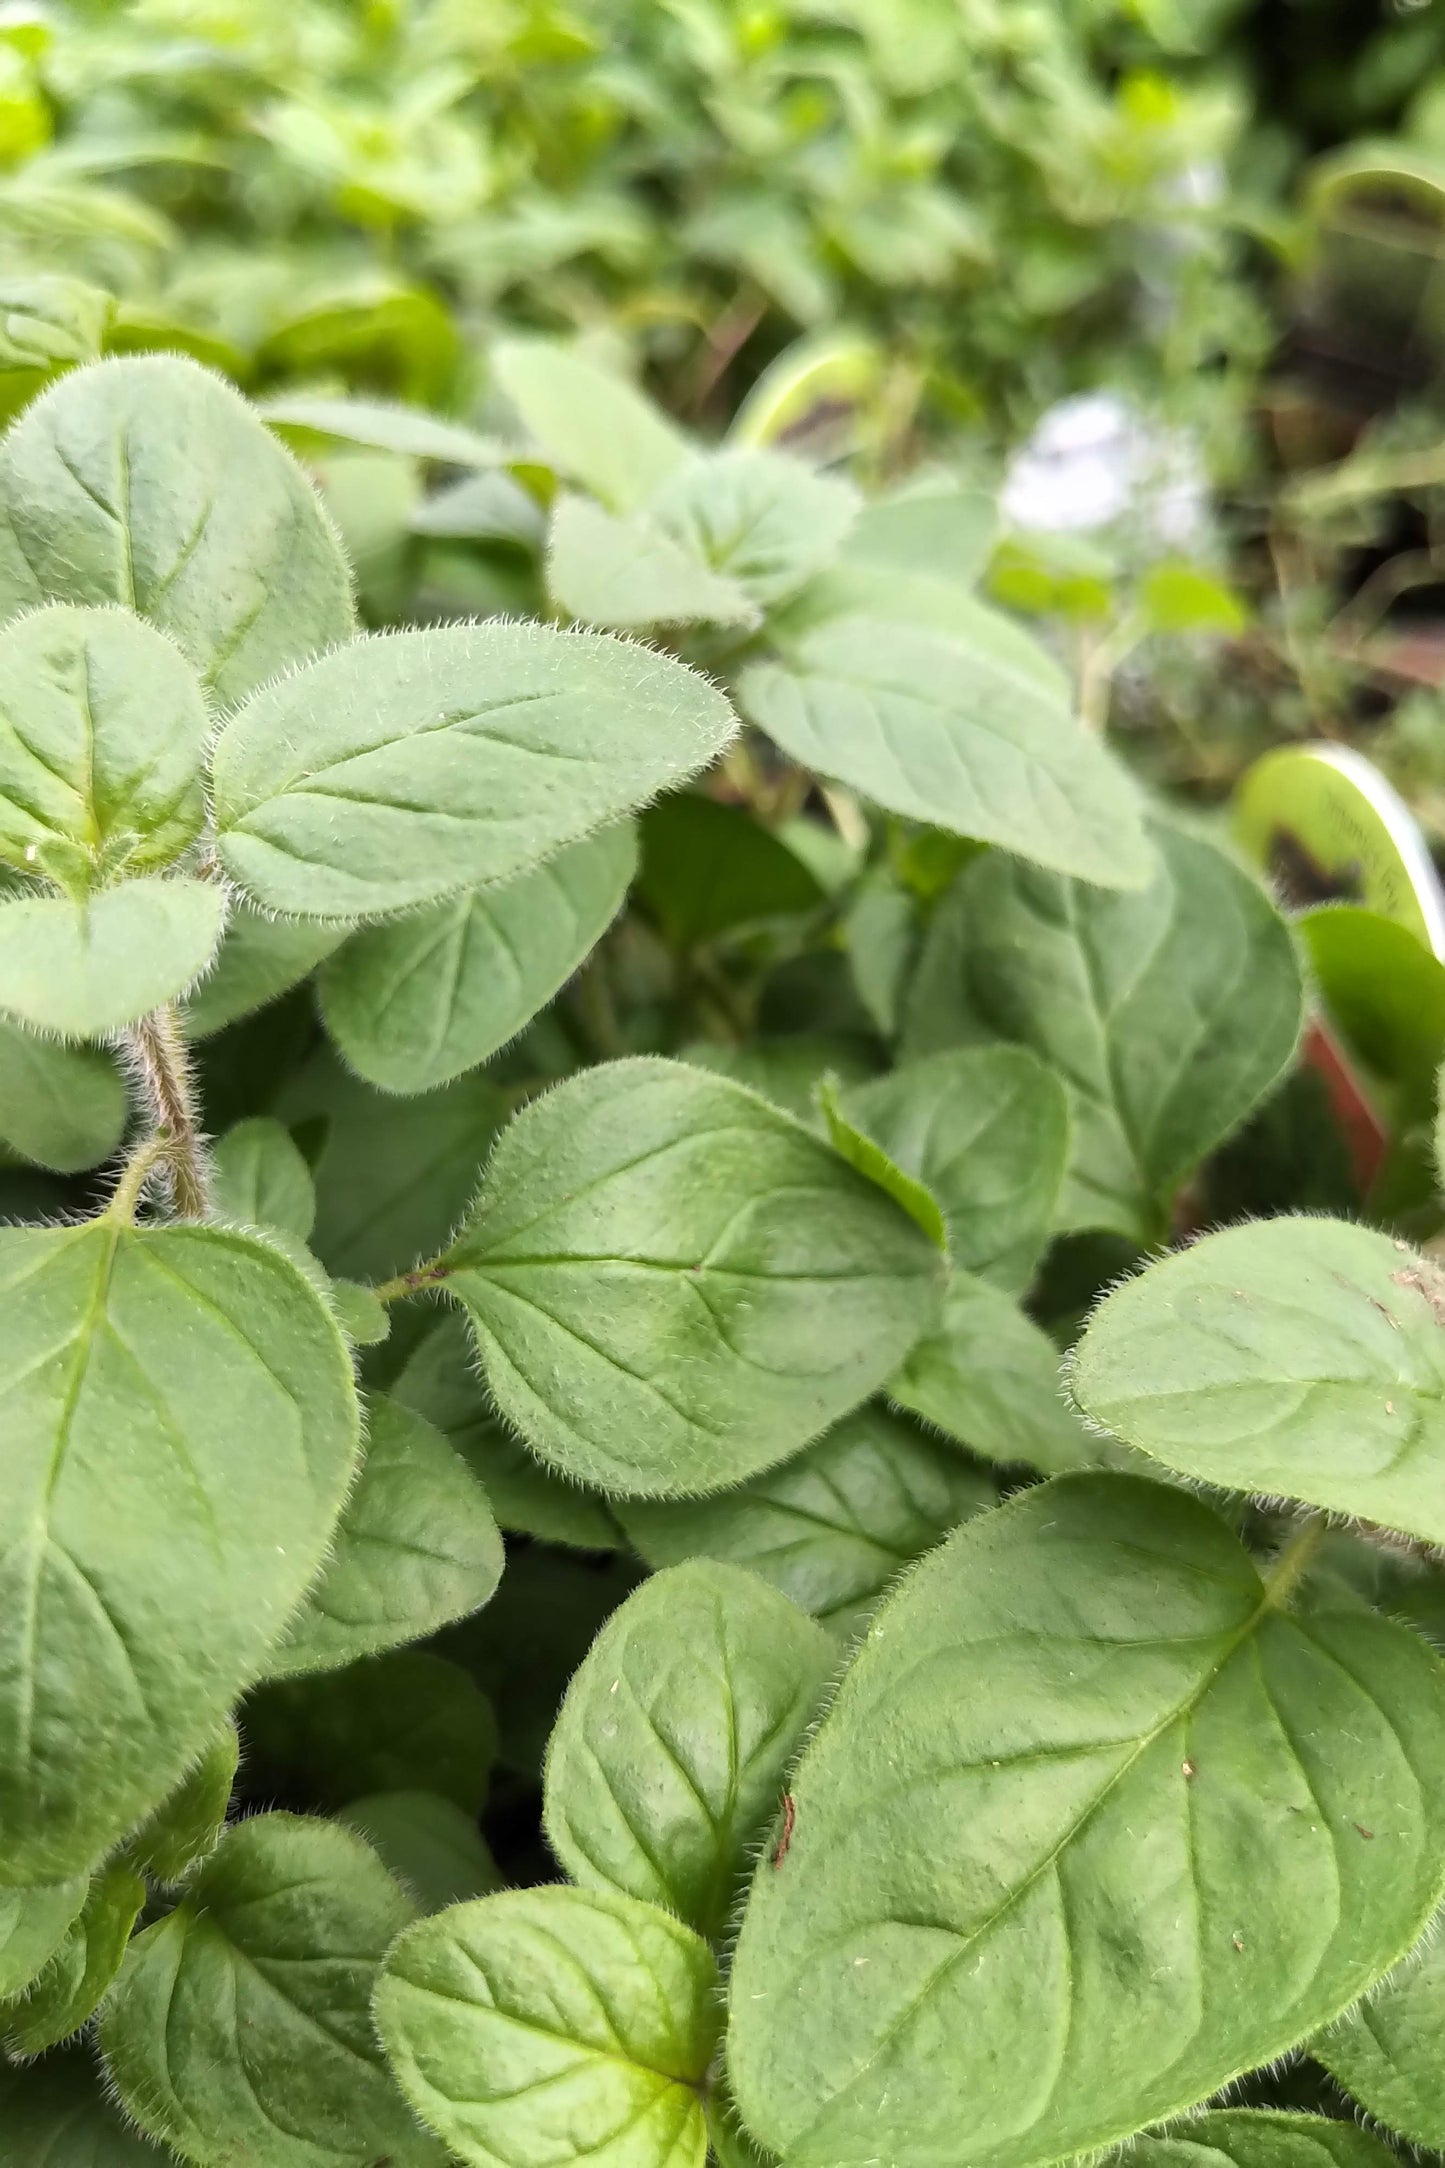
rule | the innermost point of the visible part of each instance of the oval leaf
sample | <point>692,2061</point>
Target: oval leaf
<point>149,482</point>
<point>62,1106</point>
<point>433,1847</point>
<point>1080,1840</point>
<point>554,2025</point>
<point>989,1376</point>
<point>188,1825</point>
<point>33,1925</point>
<point>590,422</point>
<point>673,1284</point>
<point>1387,2053</point>
<point>54,2115</point>
<point>259,1177</point>
<point>82,970</point>
<point>410,765</point>
<point>415,1003</point>
<point>1302,1357</point>
<point>626,573</point>
<point>670,1750</point>
<point>1262,2138</point>
<point>239,2027</point>
<point>143,1586</point>
<point>68,1992</point>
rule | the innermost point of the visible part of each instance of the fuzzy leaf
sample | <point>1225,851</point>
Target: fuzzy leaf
<point>670,1751</point>
<point>1387,2052</point>
<point>1080,1840</point>
<point>188,1825</point>
<point>68,1992</point>
<point>148,482</point>
<point>764,521</point>
<point>628,573</point>
<point>181,1428</point>
<point>33,1925</point>
<point>590,422</point>
<point>411,765</point>
<point>709,868</point>
<point>383,425</point>
<point>673,1284</point>
<point>988,1376</point>
<point>554,2025</point>
<point>433,1847</point>
<point>260,958</point>
<point>404,1718</point>
<point>260,1178</point>
<point>1262,2138</point>
<point>55,2115</point>
<point>62,1106</point>
<point>82,970</point>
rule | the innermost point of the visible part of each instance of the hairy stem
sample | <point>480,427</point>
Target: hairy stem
<point>163,1065</point>
<point>1294,1561</point>
<point>134,1175</point>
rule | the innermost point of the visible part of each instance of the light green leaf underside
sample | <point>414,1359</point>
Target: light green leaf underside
<point>102,731</point>
<point>259,1177</point>
<point>62,1106</point>
<point>240,2027</point>
<point>554,2024</point>
<point>84,970</point>
<point>1083,1836</point>
<point>673,1284</point>
<point>1168,1013</point>
<point>180,1432</point>
<point>989,1376</point>
<point>417,1002</point>
<point>628,573</point>
<point>986,1129</point>
<point>410,765</point>
<point>669,1754</point>
<point>416,1547</point>
<point>1387,2054</point>
<point>120,484</point>
<point>835,1524</point>
<point>591,423</point>
<point>1304,1358</point>
<point>942,732</point>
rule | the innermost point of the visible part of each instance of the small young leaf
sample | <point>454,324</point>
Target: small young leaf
<point>945,732</point>
<point>592,423</point>
<point>1168,1014</point>
<point>986,1130</point>
<point>417,1002</point>
<point>406,1718</point>
<point>672,1744</point>
<point>1093,1810</point>
<point>627,573</point>
<point>1300,1357</point>
<point>33,1925</point>
<point>988,1376</point>
<point>1261,2138</point>
<point>415,1548</point>
<point>259,1177</point>
<point>55,2115</point>
<point>149,482</point>
<point>553,2025</point>
<point>102,732</point>
<point>405,767</point>
<point>764,521</point>
<point>260,958</point>
<point>674,1285</point>
<point>82,970</point>
<point>239,2027</point>
<point>365,1321</point>
<point>708,868</point>
<point>440,1382</point>
<point>62,1106</point>
<point>188,1825</point>
<point>1387,2052</point>
<point>834,1525</point>
<point>861,1151</point>
<point>382,425</point>
<point>145,1584</point>
<point>436,1852</point>
<point>68,1992</point>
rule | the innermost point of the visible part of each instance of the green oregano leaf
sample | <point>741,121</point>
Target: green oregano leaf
<point>759,518</point>
<point>33,1924</point>
<point>988,1376</point>
<point>239,2028</point>
<point>261,957</point>
<point>628,573</point>
<point>432,1846</point>
<point>554,2024</point>
<point>1095,1811</point>
<point>418,1001</point>
<point>1304,1358</point>
<point>405,767</point>
<point>103,728</point>
<point>673,1740</point>
<point>259,1177</point>
<point>55,2115</point>
<point>389,1722</point>
<point>84,969</point>
<point>709,869</point>
<point>146,1585</point>
<point>416,1547</point>
<point>69,1991</point>
<point>1168,1013</point>
<point>943,731</point>
<point>673,1284</point>
<point>1386,2053</point>
<point>383,425</point>
<point>986,1130</point>
<point>150,483</point>
<point>1261,2138</point>
<point>187,1826</point>
<point>835,1524</point>
<point>62,1106</point>
<point>595,427</point>
<point>868,1157</point>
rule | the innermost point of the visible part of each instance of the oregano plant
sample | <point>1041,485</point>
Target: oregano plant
<point>577,1585</point>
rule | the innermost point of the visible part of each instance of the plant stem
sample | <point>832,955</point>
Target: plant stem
<point>159,1052</point>
<point>134,1175</point>
<point>1294,1560</point>
<point>411,1283</point>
